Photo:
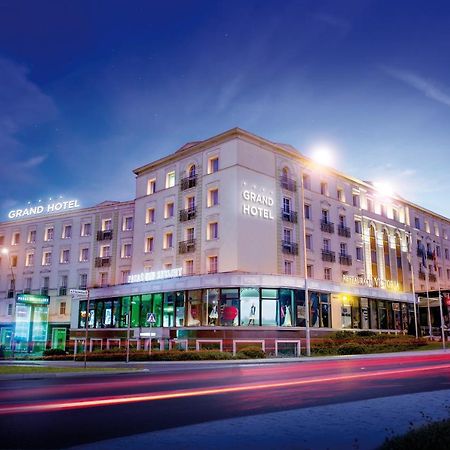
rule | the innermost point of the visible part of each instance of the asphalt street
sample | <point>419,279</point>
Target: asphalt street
<point>67,411</point>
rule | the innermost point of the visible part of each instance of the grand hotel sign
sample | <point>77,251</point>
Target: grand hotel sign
<point>41,209</point>
<point>373,282</point>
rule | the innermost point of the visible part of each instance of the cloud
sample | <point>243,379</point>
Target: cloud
<point>333,21</point>
<point>34,161</point>
<point>426,87</point>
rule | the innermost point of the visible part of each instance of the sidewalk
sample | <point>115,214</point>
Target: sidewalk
<point>354,425</point>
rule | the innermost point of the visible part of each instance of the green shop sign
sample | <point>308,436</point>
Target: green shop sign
<point>30,299</point>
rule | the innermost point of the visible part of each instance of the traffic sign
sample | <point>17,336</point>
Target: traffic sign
<point>151,318</point>
<point>78,294</point>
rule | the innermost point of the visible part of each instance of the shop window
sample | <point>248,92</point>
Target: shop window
<point>249,306</point>
<point>286,311</point>
<point>320,310</point>
<point>194,308</point>
<point>211,307</point>
<point>169,309</point>
<point>229,307</point>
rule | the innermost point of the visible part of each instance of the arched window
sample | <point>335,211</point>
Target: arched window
<point>398,256</point>
<point>191,171</point>
<point>387,259</point>
<point>373,251</point>
<point>285,173</point>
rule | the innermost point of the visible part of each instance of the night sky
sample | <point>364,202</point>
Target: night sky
<point>90,90</point>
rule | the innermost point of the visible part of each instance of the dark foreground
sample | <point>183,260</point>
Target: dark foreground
<point>61,412</point>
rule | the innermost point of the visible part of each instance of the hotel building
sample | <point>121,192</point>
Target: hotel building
<point>218,248</point>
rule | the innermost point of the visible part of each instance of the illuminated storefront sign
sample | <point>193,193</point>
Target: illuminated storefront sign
<point>257,205</point>
<point>158,275</point>
<point>31,299</point>
<point>375,282</point>
<point>53,207</point>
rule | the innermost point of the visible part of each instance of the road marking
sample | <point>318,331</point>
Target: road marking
<point>120,400</point>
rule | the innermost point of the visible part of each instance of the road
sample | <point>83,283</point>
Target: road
<point>66,411</point>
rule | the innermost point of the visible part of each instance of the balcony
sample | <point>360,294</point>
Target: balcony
<point>421,275</point>
<point>289,216</point>
<point>186,246</point>
<point>105,235</point>
<point>344,231</point>
<point>288,183</point>
<point>62,290</point>
<point>103,261</point>
<point>188,182</point>
<point>432,278</point>
<point>188,214</point>
<point>328,255</point>
<point>345,260</point>
<point>327,227</point>
<point>44,291</point>
<point>291,248</point>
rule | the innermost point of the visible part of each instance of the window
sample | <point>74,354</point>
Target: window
<point>170,179</point>
<point>286,204</point>
<point>309,271</point>
<point>436,229</point>
<point>47,258</point>
<point>213,231</point>
<point>446,253</point>
<point>105,251</point>
<point>190,234</point>
<point>15,239</point>
<point>287,234</point>
<point>358,226</point>
<point>84,254</point>
<point>417,223</point>
<point>288,267</point>
<point>83,280</point>
<point>65,256</point>
<point>189,267</point>
<point>2,240</point>
<point>355,200</point>
<point>343,249</point>
<point>213,197</point>
<point>167,266</point>
<point>427,226</point>
<point>64,281</point>
<point>395,214</point>
<point>325,216</point>
<point>28,282</point>
<point>308,241</point>
<point>150,215</point>
<point>359,256</point>
<point>49,234</point>
<point>13,260</point>
<point>149,242</point>
<point>342,221</point>
<point>212,264</point>
<point>124,274</point>
<point>326,245</point>
<point>32,237</point>
<point>438,251</point>
<point>168,240</point>
<point>86,229</point>
<point>213,164</point>
<point>448,274</point>
<point>324,188</point>
<point>306,181</point>
<point>151,186</point>
<point>340,195</point>
<point>307,211</point>
<point>383,210</point>
<point>29,260</point>
<point>67,232</point>
<point>104,279</point>
<point>106,225</point>
<point>127,223</point>
<point>327,273</point>
<point>168,210</point>
<point>62,308</point>
<point>126,250</point>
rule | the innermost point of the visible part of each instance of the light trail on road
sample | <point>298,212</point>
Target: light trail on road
<point>128,399</point>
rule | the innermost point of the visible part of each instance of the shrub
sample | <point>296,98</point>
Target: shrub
<point>366,333</point>
<point>343,335</point>
<point>54,352</point>
<point>251,352</point>
<point>351,348</point>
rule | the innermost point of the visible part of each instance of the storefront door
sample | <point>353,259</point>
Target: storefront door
<point>59,338</point>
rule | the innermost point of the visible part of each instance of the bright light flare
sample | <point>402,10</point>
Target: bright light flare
<point>384,189</point>
<point>323,155</point>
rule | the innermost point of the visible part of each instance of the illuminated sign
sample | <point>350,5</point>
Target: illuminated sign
<point>371,282</point>
<point>158,275</point>
<point>31,299</point>
<point>257,205</point>
<point>53,207</point>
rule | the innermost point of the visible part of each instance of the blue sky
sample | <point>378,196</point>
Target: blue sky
<point>91,90</point>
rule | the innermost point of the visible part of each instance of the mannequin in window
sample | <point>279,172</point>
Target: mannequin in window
<point>213,315</point>
<point>287,316</point>
<point>252,316</point>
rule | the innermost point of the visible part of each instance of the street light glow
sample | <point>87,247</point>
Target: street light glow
<point>5,251</point>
